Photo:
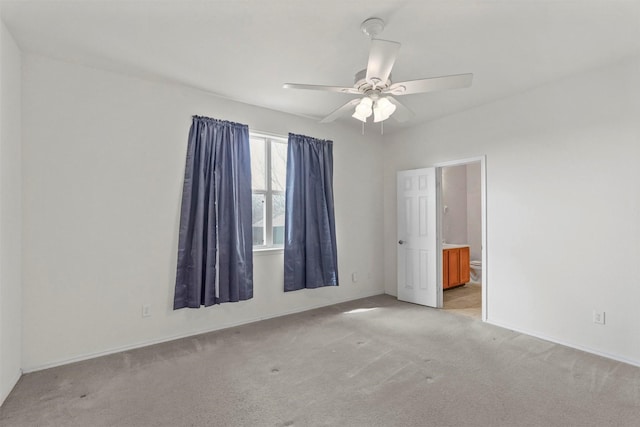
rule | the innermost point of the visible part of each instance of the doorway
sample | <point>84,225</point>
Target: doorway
<point>462,205</point>
<point>423,268</point>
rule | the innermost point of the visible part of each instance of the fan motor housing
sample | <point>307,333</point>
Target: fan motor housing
<point>363,86</point>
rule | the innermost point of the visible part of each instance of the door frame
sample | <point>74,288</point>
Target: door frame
<point>483,221</point>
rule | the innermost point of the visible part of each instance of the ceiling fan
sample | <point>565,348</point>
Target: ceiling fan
<point>374,86</point>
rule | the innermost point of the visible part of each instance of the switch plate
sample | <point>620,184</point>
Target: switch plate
<point>354,277</point>
<point>598,317</point>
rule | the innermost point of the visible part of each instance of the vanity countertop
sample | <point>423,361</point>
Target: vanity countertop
<point>453,246</point>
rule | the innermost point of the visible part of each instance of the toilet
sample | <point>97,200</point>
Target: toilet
<point>476,271</point>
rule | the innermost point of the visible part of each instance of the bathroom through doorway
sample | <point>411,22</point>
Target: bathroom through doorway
<point>462,230</point>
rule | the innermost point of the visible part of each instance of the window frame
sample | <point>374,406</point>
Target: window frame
<point>269,192</point>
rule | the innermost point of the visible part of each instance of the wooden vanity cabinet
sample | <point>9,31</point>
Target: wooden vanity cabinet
<point>455,267</point>
<point>465,261</point>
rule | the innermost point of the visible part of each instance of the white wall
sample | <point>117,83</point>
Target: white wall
<point>474,210</point>
<point>10,214</point>
<point>104,159</point>
<point>563,204</point>
<point>454,201</point>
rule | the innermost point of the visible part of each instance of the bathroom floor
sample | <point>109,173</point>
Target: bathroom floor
<point>465,300</point>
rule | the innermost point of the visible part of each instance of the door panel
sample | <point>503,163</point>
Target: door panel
<point>410,266</point>
<point>417,237</point>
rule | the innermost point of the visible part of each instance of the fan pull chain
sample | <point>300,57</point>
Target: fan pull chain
<point>363,128</point>
<point>382,127</point>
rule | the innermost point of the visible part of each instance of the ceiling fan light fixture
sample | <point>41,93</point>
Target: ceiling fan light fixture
<point>363,109</point>
<point>376,92</point>
<point>359,117</point>
<point>382,110</point>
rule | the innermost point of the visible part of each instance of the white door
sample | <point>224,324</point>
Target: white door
<point>417,245</point>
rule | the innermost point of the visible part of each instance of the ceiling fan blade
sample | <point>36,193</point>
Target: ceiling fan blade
<point>382,56</point>
<point>320,87</point>
<point>340,111</point>
<point>430,85</point>
<point>402,113</point>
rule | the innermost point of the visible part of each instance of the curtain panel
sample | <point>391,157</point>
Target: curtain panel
<point>310,254</point>
<point>215,247</point>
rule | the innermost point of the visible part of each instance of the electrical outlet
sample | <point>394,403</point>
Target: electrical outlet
<point>598,317</point>
<point>354,277</point>
<point>146,310</point>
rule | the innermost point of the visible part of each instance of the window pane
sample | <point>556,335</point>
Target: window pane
<point>278,166</point>
<point>278,219</point>
<point>258,164</point>
<point>258,219</point>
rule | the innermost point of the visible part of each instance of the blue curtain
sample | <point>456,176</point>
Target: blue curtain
<point>215,247</point>
<point>310,256</point>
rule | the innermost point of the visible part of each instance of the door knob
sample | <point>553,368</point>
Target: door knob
<point>401,242</point>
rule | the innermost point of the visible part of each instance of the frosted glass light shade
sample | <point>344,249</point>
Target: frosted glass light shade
<point>363,109</point>
<point>382,110</point>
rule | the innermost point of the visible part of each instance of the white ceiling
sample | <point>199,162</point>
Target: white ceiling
<point>246,49</point>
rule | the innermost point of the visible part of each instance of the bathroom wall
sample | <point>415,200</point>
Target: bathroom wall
<point>454,201</point>
<point>474,210</point>
<point>461,196</point>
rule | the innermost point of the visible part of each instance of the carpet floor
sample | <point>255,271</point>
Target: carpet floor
<point>370,362</point>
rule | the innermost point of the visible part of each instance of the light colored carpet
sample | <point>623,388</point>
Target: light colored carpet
<point>386,364</point>
<point>465,300</point>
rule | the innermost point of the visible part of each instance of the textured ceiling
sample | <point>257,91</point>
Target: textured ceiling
<point>246,49</point>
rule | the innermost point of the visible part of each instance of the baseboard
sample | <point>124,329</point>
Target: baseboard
<point>567,344</point>
<point>147,343</point>
<point>12,383</point>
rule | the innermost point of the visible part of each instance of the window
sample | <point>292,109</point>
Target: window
<point>268,180</point>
